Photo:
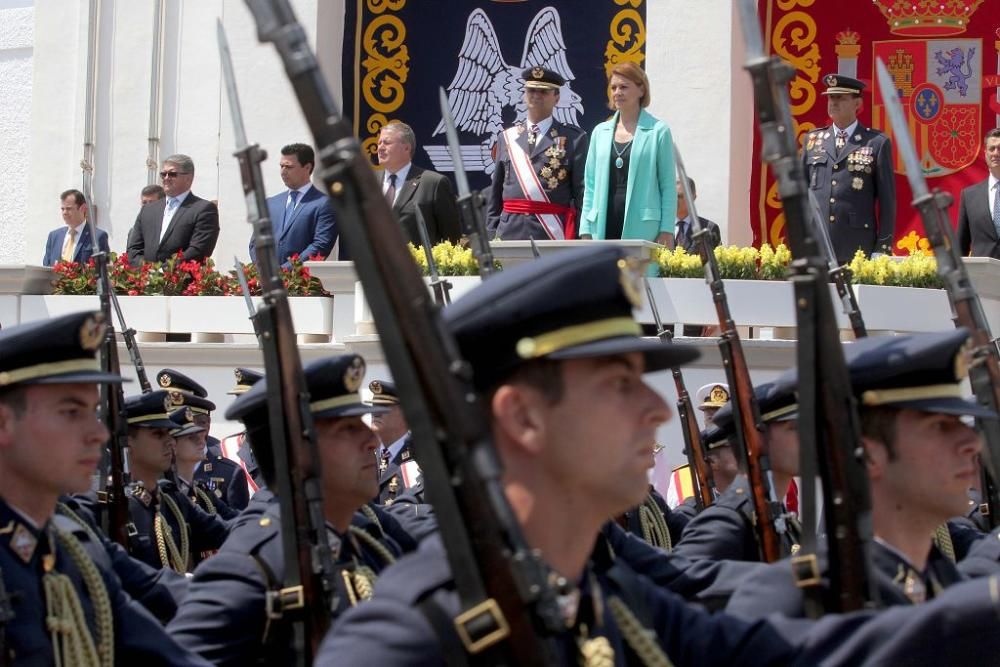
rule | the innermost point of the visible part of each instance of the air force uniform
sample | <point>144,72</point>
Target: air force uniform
<point>854,185</point>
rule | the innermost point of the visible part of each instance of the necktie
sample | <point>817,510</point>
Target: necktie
<point>532,136</point>
<point>841,139</point>
<point>390,192</point>
<point>681,240</point>
<point>168,215</point>
<point>69,247</point>
<point>996,207</point>
<point>293,198</point>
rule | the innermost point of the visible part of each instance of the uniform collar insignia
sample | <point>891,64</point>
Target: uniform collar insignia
<point>23,543</point>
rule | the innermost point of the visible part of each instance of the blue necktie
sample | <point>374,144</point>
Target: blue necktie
<point>293,198</point>
<point>681,240</point>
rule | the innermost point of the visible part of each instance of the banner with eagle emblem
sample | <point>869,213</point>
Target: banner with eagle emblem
<point>944,57</point>
<point>398,53</point>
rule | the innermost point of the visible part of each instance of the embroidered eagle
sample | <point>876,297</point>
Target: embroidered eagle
<point>485,85</point>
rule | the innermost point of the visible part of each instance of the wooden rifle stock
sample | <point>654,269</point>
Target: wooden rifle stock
<point>510,610</point>
<point>829,427</point>
<point>309,581</point>
<point>746,414</point>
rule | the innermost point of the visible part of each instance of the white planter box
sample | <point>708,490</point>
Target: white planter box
<point>229,315</point>
<point>25,279</point>
<point>364,322</point>
<point>142,313</point>
<point>512,253</point>
<point>904,309</point>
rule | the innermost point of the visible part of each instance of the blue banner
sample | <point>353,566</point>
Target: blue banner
<point>398,53</point>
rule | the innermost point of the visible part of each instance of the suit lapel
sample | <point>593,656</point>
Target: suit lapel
<point>179,214</point>
<point>287,225</point>
<point>830,142</point>
<point>84,236</point>
<point>639,140</point>
<point>985,212</point>
<point>409,188</point>
<point>544,141</point>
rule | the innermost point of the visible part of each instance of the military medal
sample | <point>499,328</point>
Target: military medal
<point>857,183</point>
<point>23,543</point>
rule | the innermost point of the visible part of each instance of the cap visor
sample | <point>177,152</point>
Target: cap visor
<point>81,377</point>
<point>352,410</point>
<point>541,86</point>
<point>659,356</point>
<point>948,406</point>
<point>188,430</point>
<point>157,423</point>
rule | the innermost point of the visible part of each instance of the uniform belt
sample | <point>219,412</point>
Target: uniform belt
<point>531,207</point>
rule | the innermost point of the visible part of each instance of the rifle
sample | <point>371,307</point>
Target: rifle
<point>746,413</point>
<point>442,288</point>
<point>128,334</point>
<point>510,613</point>
<point>245,288</point>
<point>470,203</point>
<point>829,431</point>
<point>309,584</point>
<point>534,248</point>
<point>839,273</point>
<point>967,309</point>
<point>704,483</point>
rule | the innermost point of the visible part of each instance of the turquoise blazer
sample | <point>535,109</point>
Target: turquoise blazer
<point>651,197</point>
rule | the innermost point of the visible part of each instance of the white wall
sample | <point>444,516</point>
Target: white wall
<point>16,48</point>
<point>195,117</point>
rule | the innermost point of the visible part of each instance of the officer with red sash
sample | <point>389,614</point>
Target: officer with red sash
<point>537,186</point>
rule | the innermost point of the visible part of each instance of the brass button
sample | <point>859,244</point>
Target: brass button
<point>831,218</point>
<point>833,182</point>
<point>832,200</point>
<point>836,166</point>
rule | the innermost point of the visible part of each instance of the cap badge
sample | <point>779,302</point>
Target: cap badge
<point>830,80</point>
<point>376,387</point>
<point>92,332</point>
<point>164,380</point>
<point>189,415</point>
<point>354,374</point>
<point>167,403</point>
<point>630,277</point>
<point>537,73</point>
<point>239,375</point>
<point>718,394</point>
<point>174,398</point>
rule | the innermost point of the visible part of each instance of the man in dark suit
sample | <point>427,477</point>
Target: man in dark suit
<point>683,237</point>
<point>537,187</point>
<point>979,207</point>
<point>301,216</point>
<point>407,187</point>
<point>183,222</point>
<point>849,168</point>
<point>72,242</point>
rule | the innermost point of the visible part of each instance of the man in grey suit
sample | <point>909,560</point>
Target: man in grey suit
<point>979,207</point>
<point>183,222</point>
<point>406,187</point>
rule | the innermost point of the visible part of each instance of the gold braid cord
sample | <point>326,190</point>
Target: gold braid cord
<point>72,644</point>
<point>380,549</point>
<point>642,641</point>
<point>370,514</point>
<point>67,512</point>
<point>203,497</point>
<point>942,538</point>
<point>177,559</point>
<point>654,526</point>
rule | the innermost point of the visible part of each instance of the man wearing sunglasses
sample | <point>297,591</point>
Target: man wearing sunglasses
<point>181,222</point>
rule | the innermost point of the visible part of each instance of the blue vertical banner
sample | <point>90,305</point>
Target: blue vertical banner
<point>398,53</point>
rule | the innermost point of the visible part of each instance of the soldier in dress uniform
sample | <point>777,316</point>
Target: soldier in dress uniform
<point>233,612</point>
<point>537,186</point>
<point>726,529</point>
<point>849,170</point>
<point>60,602</point>
<point>920,458</point>
<point>189,454</point>
<point>217,472</point>
<point>574,425</point>
<point>167,529</point>
<point>397,469</point>
<point>245,378</point>
<point>710,397</point>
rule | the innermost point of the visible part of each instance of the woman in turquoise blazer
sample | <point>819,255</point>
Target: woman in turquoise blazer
<point>630,184</point>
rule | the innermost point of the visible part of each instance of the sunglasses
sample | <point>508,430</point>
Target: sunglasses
<point>173,174</point>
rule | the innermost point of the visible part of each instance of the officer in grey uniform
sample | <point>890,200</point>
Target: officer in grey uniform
<point>556,154</point>
<point>849,170</point>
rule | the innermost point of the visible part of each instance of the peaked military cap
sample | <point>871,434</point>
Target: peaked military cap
<point>838,84</point>
<point>714,437</point>
<point>541,78</point>
<point>712,395</point>
<point>921,371</point>
<point>777,401</point>
<point>383,393</point>
<point>333,385</point>
<point>183,420</point>
<point>54,351</point>
<point>173,380</point>
<point>569,305</point>
<point>149,410</point>
<point>198,405</point>
<point>245,378</point>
